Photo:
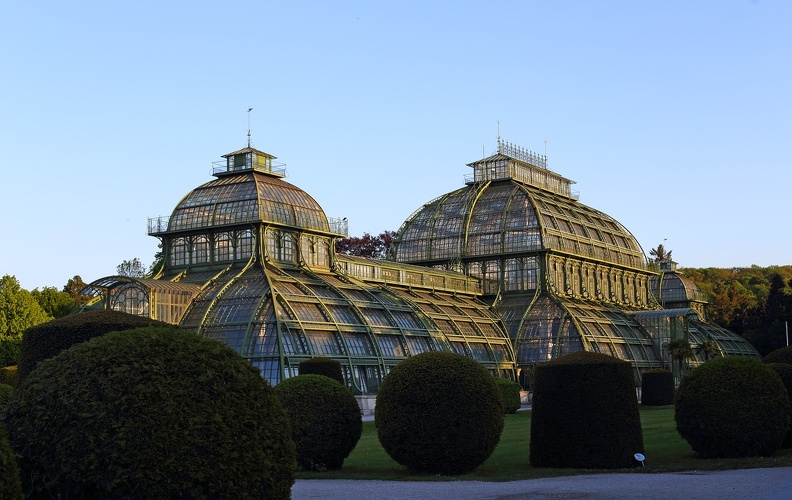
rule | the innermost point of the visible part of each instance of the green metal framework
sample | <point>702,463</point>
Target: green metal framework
<point>510,270</point>
<point>251,259</point>
<point>562,276</point>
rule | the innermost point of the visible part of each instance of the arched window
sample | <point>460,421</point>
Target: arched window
<point>200,250</point>
<point>281,245</point>
<point>130,298</point>
<point>223,248</point>
<point>178,255</point>
<point>245,244</point>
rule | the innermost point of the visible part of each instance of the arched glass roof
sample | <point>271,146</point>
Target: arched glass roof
<point>507,216</point>
<point>248,197</point>
<point>671,286</point>
<point>277,317</point>
<point>553,327</point>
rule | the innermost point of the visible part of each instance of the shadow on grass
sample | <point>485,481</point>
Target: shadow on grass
<point>665,451</point>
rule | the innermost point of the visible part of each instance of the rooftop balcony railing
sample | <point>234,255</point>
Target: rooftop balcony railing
<point>160,225</point>
<point>222,167</point>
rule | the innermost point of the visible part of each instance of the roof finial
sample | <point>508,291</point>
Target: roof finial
<point>499,139</point>
<point>249,110</point>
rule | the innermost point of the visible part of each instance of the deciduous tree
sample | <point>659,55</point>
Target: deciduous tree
<point>131,268</point>
<point>373,247</point>
<point>55,303</point>
<point>18,309</point>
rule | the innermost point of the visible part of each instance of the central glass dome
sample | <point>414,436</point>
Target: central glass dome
<point>249,195</point>
<point>249,260</point>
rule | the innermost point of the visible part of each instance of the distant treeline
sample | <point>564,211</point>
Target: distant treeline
<point>754,302</point>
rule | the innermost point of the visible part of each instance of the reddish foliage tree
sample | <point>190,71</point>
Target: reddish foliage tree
<point>373,247</point>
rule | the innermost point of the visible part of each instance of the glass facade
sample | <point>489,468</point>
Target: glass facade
<point>562,276</point>
<point>251,260</point>
<point>510,270</point>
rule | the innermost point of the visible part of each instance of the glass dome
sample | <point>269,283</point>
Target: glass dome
<point>249,197</point>
<point>674,290</point>
<point>563,276</point>
<point>249,261</point>
<point>490,218</point>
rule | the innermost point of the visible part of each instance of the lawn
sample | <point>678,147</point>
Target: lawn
<point>665,451</point>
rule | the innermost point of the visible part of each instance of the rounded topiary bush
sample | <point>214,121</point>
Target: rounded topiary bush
<point>732,407</point>
<point>585,413</point>
<point>150,413</point>
<point>784,371</point>
<point>10,484</point>
<point>510,394</point>
<point>322,366</point>
<point>44,341</point>
<point>657,387</point>
<point>439,413</point>
<point>325,420</point>
<point>781,355</point>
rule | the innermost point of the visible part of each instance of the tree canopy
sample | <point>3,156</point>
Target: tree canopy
<point>373,247</point>
<point>18,308</point>
<point>660,253</point>
<point>132,268</point>
<point>755,302</point>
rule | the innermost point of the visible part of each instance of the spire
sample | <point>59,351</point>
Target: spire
<point>249,110</point>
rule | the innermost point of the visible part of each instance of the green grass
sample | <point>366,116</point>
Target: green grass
<point>665,451</point>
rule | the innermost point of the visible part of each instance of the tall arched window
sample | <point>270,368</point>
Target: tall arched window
<point>178,255</point>
<point>200,250</point>
<point>281,245</point>
<point>223,248</point>
<point>245,244</point>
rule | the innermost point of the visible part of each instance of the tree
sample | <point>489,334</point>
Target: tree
<point>710,349</point>
<point>55,303</point>
<point>73,287</point>
<point>373,247</point>
<point>131,268</point>
<point>18,309</point>
<point>680,350</point>
<point>660,253</point>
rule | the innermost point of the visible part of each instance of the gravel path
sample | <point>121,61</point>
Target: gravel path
<point>771,484</point>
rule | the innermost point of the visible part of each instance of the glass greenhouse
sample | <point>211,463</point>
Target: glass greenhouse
<point>510,270</point>
<point>250,261</point>
<point>562,276</point>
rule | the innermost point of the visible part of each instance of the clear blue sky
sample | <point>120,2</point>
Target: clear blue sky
<point>674,117</point>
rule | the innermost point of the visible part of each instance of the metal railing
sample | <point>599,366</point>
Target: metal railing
<point>221,167</point>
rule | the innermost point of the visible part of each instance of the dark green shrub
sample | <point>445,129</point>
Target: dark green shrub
<point>10,484</point>
<point>784,371</point>
<point>657,387</point>
<point>325,420</point>
<point>8,375</point>
<point>439,413</point>
<point>44,341</point>
<point>9,349</point>
<point>585,413</point>
<point>6,391</point>
<point>150,413</point>
<point>510,394</point>
<point>781,355</point>
<point>732,407</point>
<point>322,366</point>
